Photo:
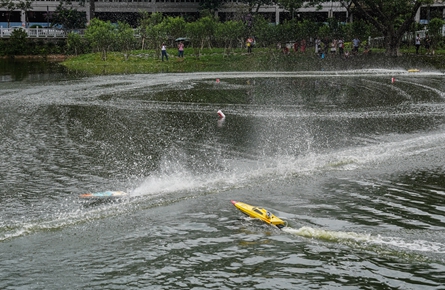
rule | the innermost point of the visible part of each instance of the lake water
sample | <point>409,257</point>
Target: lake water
<point>352,160</point>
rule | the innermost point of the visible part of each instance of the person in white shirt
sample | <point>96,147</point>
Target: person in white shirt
<point>340,46</point>
<point>164,52</point>
<point>334,46</point>
<point>317,45</point>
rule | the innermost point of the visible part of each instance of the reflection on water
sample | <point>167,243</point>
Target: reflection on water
<point>32,71</point>
<point>352,161</point>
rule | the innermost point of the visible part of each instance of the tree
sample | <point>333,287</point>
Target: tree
<point>17,43</point>
<point>68,17</point>
<point>291,5</point>
<point>308,29</point>
<point>144,22</point>
<point>125,39</point>
<point>153,31</point>
<point>359,28</point>
<point>264,33</point>
<point>101,35</point>
<point>211,5</point>
<point>208,25</point>
<point>74,43</point>
<point>91,8</point>
<point>255,5</point>
<point>392,18</point>
<point>175,27</point>
<point>230,32</point>
<point>435,30</point>
<point>25,6</point>
<point>10,6</point>
<point>196,33</point>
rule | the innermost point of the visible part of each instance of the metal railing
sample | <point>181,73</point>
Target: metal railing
<point>38,32</point>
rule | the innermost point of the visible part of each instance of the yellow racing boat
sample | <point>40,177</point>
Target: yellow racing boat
<point>259,213</point>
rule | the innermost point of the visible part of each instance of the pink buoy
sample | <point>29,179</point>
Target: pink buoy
<point>393,80</point>
<point>221,114</point>
<point>217,81</point>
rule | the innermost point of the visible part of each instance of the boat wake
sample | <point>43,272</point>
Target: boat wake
<point>364,239</point>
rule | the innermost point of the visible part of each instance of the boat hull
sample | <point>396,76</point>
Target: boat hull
<point>259,213</point>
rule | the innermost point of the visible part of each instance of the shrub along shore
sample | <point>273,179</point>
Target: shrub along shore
<point>261,59</point>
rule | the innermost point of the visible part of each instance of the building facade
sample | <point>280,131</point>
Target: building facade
<point>128,10</point>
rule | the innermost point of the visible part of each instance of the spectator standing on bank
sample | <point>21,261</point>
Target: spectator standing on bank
<point>355,44</point>
<point>366,50</point>
<point>334,46</point>
<point>296,46</point>
<point>417,43</point>
<point>286,49</point>
<point>340,47</point>
<point>181,49</point>
<point>303,45</point>
<point>321,50</point>
<point>164,52</point>
<point>249,44</point>
<point>427,44</point>
<point>317,45</point>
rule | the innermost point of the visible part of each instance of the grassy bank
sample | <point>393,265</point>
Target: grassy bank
<point>260,60</point>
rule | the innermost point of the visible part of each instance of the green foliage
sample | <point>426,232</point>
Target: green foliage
<point>194,32</point>
<point>144,22</point>
<point>156,18</point>
<point>336,28</point>
<point>283,32</point>
<point>125,40</point>
<point>210,5</point>
<point>359,29</point>
<point>101,35</point>
<point>209,26</point>
<point>324,32</point>
<point>263,59</point>
<point>25,6</point>
<point>435,31</point>
<point>68,17</point>
<point>17,43</point>
<point>268,35</point>
<point>308,29</point>
<point>201,32</point>
<point>153,31</point>
<point>440,44</point>
<point>229,33</point>
<point>75,44</point>
<point>175,27</point>
<point>9,6</point>
<point>392,18</point>
<point>262,31</point>
<point>292,5</point>
<point>435,27</point>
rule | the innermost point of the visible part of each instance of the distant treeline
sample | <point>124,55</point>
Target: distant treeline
<point>155,29</point>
